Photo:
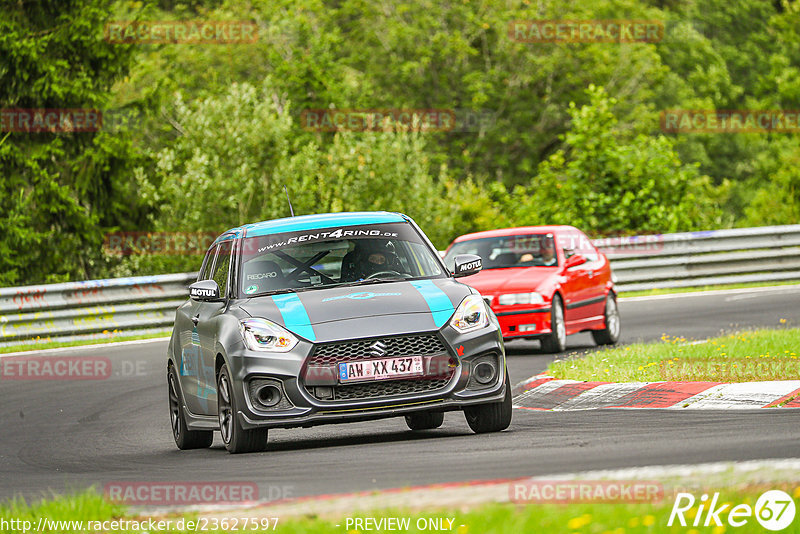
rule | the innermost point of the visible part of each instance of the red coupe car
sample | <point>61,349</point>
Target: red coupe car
<point>543,282</point>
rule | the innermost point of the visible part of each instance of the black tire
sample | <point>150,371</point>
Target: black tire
<point>185,439</point>
<point>425,420</point>
<point>491,417</point>
<point>556,340</point>
<point>610,334</point>
<point>236,439</point>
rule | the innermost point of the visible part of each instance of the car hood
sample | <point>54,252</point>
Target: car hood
<point>362,311</point>
<point>510,280</point>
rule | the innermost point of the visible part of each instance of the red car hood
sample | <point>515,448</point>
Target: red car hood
<point>511,280</point>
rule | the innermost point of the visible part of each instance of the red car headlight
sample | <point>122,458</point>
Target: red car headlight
<point>520,298</point>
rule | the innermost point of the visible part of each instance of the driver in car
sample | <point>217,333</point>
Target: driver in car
<point>367,259</point>
<point>548,251</point>
<point>376,262</point>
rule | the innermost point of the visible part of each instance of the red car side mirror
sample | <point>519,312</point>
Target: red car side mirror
<point>574,261</point>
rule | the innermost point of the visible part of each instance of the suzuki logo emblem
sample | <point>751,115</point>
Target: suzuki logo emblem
<point>377,349</point>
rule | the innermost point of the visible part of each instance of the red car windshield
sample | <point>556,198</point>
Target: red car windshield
<point>524,250</point>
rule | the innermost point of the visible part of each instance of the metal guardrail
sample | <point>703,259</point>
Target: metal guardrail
<point>91,309</point>
<point>108,308</point>
<point>693,259</point>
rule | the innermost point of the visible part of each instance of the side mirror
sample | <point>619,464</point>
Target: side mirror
<point>204,290</point>
<point>466,264</point>
<point>574,261</point>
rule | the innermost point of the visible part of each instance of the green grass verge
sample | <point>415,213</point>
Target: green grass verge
<point>768,354</point>
<point>57,344</point>
<point>594,518</point>
<point>83,506</point>
<point>673,290</point>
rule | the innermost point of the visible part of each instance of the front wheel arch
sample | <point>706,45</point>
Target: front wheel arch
<point>219,361</point>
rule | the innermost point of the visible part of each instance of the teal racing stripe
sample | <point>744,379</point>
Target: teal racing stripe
<point>295,317</point>
<point>438,302</point>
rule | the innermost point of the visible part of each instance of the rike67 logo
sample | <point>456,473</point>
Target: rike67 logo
<point>774,510</point>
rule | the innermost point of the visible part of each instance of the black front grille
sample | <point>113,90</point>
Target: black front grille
<point>385,388</point>
<point>348,351</point>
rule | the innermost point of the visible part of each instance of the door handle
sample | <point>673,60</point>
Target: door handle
<point>196,319</point>
<point>591,274</point>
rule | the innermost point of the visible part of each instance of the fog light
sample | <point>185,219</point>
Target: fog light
<point>527,327</point>
<point>268,396</point>
<point>485,372</point>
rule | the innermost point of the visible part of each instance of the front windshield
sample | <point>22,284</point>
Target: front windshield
<point>313,259</point>
<point>526,250</point>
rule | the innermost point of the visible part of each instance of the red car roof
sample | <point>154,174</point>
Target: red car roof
<point>515,231</point>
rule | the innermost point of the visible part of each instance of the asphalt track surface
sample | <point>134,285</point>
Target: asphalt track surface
<point>61,436</point>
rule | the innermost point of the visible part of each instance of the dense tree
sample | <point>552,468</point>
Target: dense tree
<point>608,181</point>
<point>544,150</point>
<point>59,189</point>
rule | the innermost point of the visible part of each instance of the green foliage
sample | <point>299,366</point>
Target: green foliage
<point>220,153</point>
<point>777,202</point>
<point>219,169</point>
<point>59,190</point>
<point>610,181</point>
<point>232,157</point>
<point>362,172</point>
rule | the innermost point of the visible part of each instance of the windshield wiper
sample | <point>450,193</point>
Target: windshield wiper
<point>364,282</point>
<point>368,281</point>
<point>279,291</point>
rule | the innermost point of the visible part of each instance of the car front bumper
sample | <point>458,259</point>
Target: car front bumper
<point>523,321</point>
<point>449,383</point>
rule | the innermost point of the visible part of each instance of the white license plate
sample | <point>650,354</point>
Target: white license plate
<point>380,369</point>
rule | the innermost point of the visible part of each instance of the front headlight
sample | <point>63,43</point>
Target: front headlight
<point>470,315</point>
<point>520,298</point>
<point>265,336</point>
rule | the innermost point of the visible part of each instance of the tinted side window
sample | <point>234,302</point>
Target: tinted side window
<point>587,249</point>
<point>208,262</point>
<point>222,266</point>
<point>577,243</point>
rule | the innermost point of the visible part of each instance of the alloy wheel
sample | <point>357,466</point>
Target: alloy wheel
<point>225,410</point>
<point>174,408</point>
